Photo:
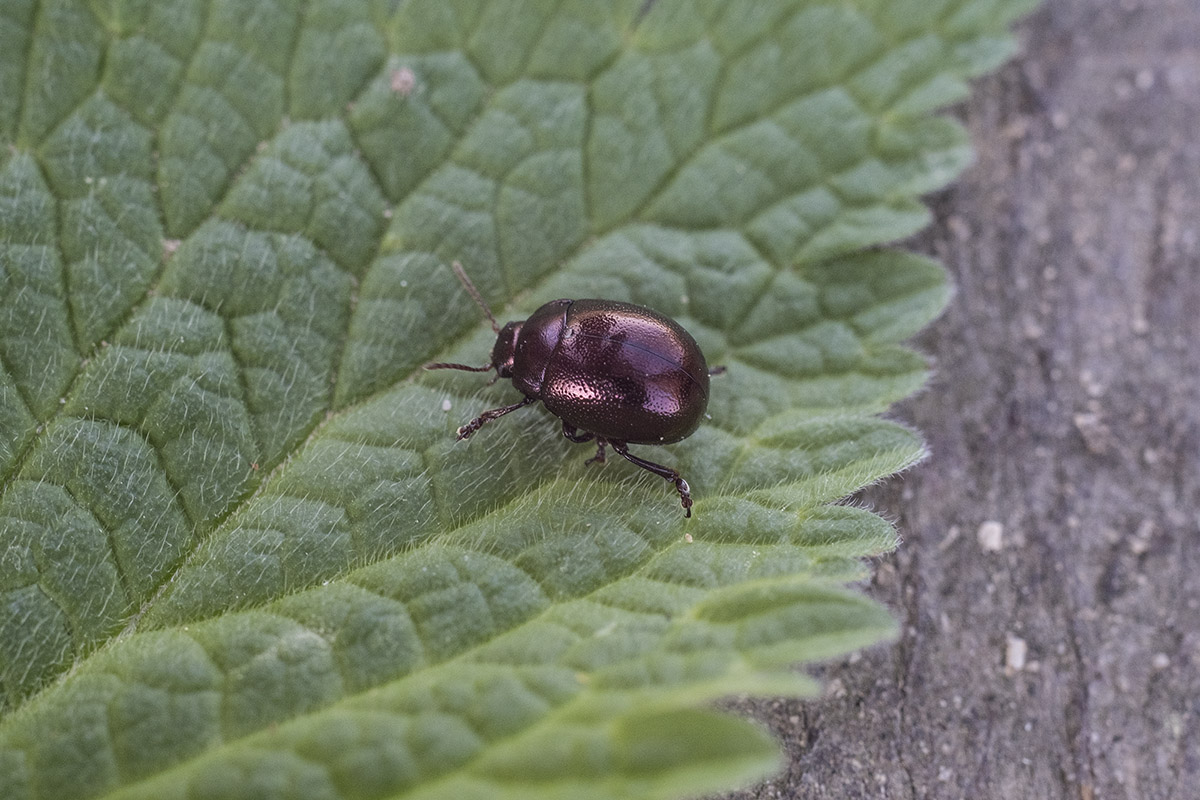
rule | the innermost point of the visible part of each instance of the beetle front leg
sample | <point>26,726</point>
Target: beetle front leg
<point>488,416</point>
<point>681,486</point>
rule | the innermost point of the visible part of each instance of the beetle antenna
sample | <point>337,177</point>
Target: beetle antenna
<point>463,367</point>
<point>476,296</point>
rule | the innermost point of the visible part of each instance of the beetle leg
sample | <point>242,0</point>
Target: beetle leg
<point>717,370</point>
<point>599,457</point>
<point>681,486</point>
<point>488,416</point>
<point>573,434</point>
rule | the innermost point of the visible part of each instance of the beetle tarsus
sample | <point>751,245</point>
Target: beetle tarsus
<point>681,486</point>
<point>466,430</point>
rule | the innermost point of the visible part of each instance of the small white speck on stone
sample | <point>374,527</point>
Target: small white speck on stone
<point>1139,543</point>
<point>1096,434</point>
<point>1160,661</point>
<point>1015,650</point>
<point>687,537</point>
<point>447,405</point>
<point>1091,384</point>
<point>950,538</point>
<point>403,284</point>
<point>991,536</point>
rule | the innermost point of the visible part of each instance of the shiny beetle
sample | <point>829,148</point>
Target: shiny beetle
<point>613,372</point>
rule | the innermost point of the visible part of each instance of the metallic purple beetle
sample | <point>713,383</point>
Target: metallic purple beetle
<point>613,372</point>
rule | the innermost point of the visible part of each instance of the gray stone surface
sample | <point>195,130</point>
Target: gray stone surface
<point>1049,582</point>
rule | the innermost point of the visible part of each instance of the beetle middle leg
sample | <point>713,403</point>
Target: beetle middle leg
<point>681,486</point>
<point>488,416</point>
<point>573,434</point>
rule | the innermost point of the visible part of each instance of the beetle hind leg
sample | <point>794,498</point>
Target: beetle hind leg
<point>681,486</point>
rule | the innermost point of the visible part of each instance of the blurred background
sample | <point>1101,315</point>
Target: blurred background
<point>1048,586</point>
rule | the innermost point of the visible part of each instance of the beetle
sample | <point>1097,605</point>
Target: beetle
<point>614,373</point>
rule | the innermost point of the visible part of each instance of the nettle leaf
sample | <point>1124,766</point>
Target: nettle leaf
<point>242,554</point>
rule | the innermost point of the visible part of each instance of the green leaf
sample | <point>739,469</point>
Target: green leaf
<point>241,553</point>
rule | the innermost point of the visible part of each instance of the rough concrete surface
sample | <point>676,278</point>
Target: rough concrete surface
<point>1049,583</point>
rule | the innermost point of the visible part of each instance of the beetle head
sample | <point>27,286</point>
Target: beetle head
<point>506,348</point>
